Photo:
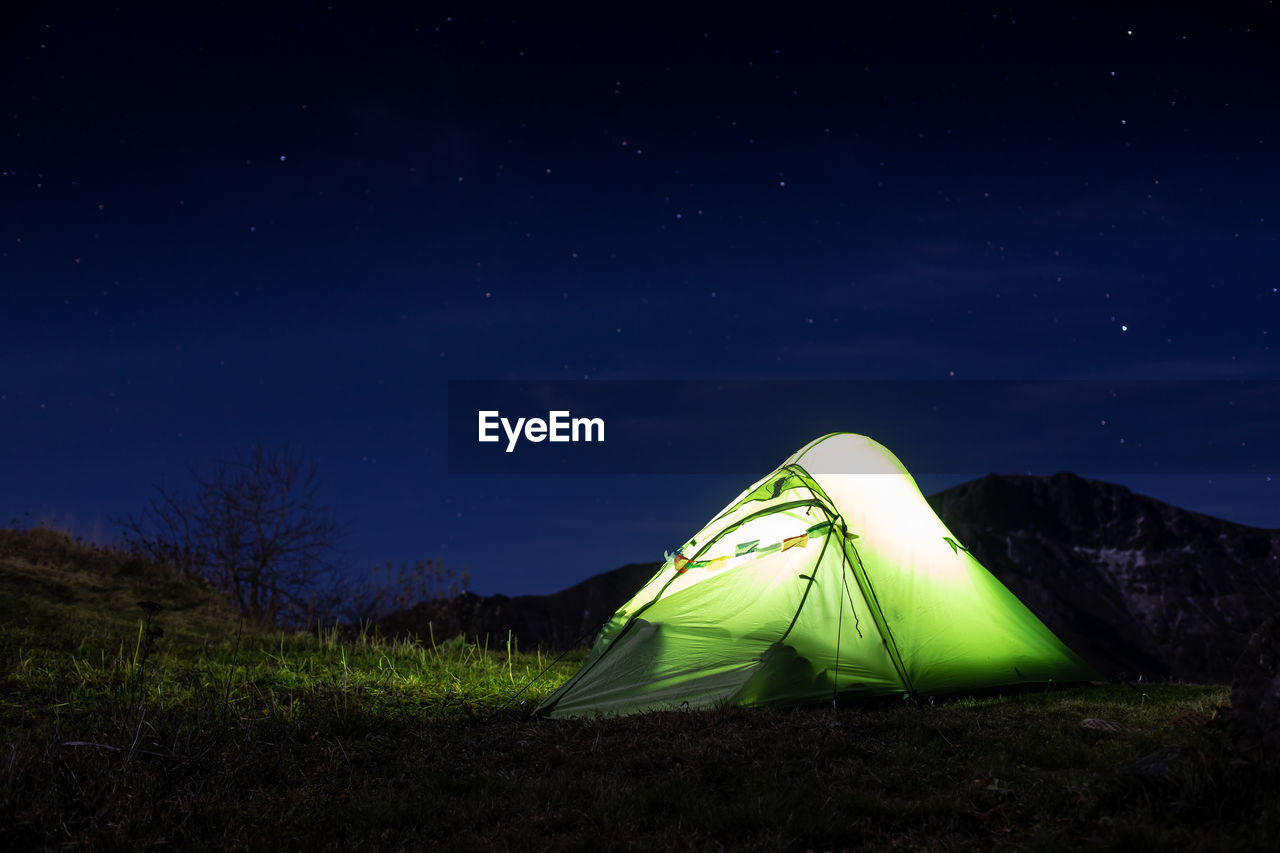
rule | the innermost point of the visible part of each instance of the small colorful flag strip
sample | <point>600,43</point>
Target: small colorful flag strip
<point>795,541</point>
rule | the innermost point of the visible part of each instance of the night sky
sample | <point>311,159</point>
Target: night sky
<point>298,222</point>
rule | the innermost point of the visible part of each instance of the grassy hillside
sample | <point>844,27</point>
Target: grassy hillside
<point>56,591</point>
<point>213,737</point>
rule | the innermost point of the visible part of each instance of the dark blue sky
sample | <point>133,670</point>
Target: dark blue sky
<point>297,222</point>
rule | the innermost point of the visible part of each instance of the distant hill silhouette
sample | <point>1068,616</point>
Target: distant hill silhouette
<point>1136,586</point>
<point>560,620</point>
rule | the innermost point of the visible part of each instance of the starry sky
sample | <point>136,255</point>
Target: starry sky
<point>298,222</point>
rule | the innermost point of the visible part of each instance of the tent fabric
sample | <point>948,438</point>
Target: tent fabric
<point>830,578</point>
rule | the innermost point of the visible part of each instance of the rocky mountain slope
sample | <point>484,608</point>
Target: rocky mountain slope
<point>1136,586</point>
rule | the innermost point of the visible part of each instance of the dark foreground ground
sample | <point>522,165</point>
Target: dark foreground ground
<point>212,736</point>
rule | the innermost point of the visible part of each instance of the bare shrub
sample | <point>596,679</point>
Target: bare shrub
<point>255,527</point>
<point>384,589</point>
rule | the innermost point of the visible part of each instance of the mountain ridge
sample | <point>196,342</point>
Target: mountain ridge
<point>1135,585</point>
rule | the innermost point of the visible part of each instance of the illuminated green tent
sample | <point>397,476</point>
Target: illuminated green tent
<point>831,578</point>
